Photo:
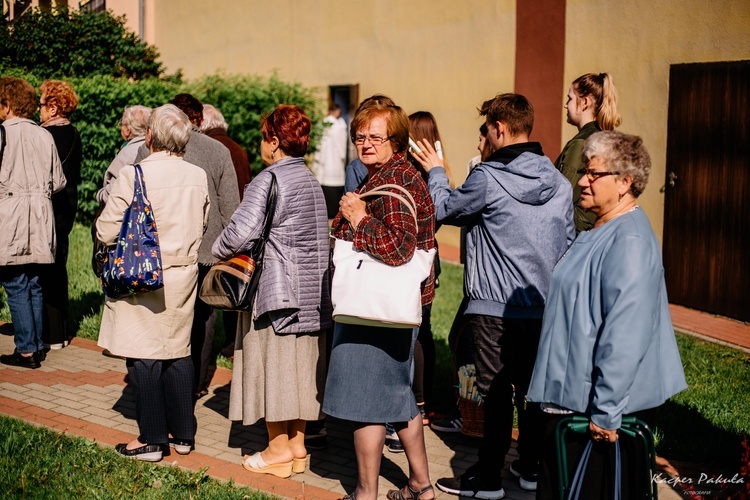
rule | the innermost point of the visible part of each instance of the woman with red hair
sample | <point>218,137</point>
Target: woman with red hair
<point>279,360</point>
<point>57,104</point>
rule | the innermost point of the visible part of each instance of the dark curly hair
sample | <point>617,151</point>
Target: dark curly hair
<point>191,106</point>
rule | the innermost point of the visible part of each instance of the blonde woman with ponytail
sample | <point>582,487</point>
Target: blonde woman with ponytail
<point>591,107</point>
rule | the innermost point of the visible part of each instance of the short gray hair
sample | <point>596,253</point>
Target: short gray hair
<point>170,129</point>
<point>136,117</point>
<point>212,118</point>
<point>623,153</point>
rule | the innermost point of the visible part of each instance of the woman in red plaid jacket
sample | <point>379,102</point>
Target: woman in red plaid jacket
<point>369,377</point>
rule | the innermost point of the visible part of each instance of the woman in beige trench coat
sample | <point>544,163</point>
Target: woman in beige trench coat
<point>152,330</point>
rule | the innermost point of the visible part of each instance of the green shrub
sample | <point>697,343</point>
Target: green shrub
<point>111,68</point>
<point>242,100</point>
<point>76,43</point>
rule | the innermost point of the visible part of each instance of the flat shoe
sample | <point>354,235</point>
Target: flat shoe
<point>147,452</point>
<point>255,463</point>
<point>300,464</point>
<point>18,359</point>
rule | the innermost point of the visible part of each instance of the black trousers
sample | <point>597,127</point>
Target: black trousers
<point>54,283</point>
<point>424,358</point>
<point>163,399</point>
<point>504,355</point>
<point>333,196</point>
<point>202,334</point>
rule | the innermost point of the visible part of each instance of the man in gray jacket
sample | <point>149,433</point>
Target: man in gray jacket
<point>516,207</point>
<point>213,157</point>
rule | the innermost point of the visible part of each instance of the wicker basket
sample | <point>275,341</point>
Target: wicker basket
<point>472,414</point>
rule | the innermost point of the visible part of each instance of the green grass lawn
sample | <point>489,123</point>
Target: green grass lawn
<point>705,423</point>
<point>39,463</point>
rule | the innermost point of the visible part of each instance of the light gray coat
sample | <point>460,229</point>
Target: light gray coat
<point>126,156</point>
<point>213,157</point>
<point>294,286</point>
<point>30,172</point>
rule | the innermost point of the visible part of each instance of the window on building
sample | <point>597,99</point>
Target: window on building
<point>93,5</point>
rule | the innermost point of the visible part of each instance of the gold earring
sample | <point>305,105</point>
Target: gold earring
<point>273,154</point>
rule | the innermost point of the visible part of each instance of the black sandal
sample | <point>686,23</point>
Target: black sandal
<point>399,494</point>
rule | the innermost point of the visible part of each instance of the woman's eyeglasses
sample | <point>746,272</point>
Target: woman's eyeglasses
<point>593,175</point>
<point>375,140</point>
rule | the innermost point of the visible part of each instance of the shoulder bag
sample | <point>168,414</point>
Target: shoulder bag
<point>367,291</point>
<point>643,453</point>
<point>230,285</point>
<point>133,264</point>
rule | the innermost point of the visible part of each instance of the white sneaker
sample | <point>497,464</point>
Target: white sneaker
<point>528,484</point>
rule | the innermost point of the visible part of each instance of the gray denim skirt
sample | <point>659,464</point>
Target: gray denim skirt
<point>370,373</point>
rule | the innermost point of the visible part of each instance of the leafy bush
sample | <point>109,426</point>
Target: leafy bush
<point>242,100</point>
<point>76,43</point>
<point>111,68</point>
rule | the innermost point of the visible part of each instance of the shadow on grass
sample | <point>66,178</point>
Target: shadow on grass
<point>83,305</point>
<point>684,434</point>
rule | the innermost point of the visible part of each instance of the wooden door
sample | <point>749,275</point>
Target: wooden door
<point>707,190</point>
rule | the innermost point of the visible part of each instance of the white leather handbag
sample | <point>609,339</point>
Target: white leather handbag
<point>367,291</point>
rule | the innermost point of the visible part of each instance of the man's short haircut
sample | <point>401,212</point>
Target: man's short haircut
<point>19,95</point>
<point>136,118</point>
<point>212,118</point>
<point>333,107</point>
<point>191,106</point>
<point>170,129</point>
<point>514,110</point>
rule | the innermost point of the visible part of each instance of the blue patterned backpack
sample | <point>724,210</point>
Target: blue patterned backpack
<point>133,264</point>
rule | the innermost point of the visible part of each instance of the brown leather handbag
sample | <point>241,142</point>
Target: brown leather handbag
<point>231,284</point>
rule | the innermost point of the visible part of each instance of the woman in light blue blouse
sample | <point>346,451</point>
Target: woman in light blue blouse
<point>607,347</point>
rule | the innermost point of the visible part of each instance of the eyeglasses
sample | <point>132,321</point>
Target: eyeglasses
<point>375,140</point>
<point>593,175</point>
<point>42,104</point>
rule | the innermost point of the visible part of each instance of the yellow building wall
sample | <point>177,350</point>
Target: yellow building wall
<point>441,56</point>
<point>636,41</point>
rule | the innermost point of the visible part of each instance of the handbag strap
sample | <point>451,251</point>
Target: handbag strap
<point>140,184</point>
<point>268,219</point>
<point>2,143</point>
<point>575,487</point>
<point>270,206</point>
<point>383,190</point>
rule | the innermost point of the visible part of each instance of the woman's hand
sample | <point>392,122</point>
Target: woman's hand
<point>599,434</point>
<point>352,208</point>
<point>427,157</point>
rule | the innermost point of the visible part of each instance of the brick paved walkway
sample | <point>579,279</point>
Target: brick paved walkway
<point>81,392</point>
